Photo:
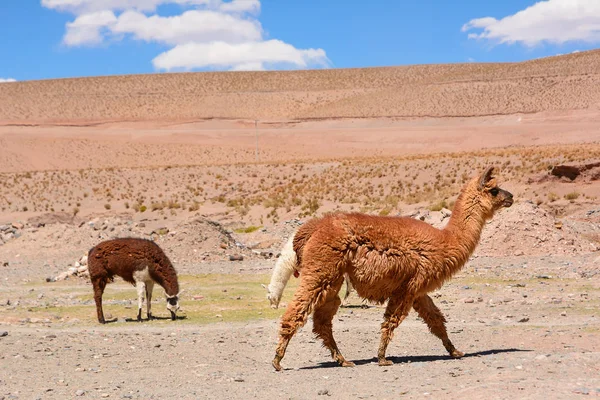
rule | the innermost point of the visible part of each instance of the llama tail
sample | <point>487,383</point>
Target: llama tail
<point>285,266</point>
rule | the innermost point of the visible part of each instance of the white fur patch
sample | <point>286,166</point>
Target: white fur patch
<point>142,275</point>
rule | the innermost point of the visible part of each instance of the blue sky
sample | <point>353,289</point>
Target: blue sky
<point>41,39</point>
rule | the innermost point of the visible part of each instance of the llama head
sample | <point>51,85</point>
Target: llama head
<point>491,197</point>
<point>273,299</point>
<point>173,304</point>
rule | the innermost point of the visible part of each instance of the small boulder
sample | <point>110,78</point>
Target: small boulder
<point>18,225</point>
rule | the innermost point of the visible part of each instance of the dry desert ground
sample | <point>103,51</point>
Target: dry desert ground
<point>213,166</point>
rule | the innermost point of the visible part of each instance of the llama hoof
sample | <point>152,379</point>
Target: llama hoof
<point>276,364</point>
<point>456,354</point>
<point>347,364</point>
<point>383,362</point>
<point>173,316</point>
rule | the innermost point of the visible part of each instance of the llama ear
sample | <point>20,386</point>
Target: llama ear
<point>485,177</point>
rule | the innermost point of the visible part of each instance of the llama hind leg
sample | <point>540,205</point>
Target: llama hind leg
<point>141,291</point>
<point>395,312</point>
<point>149,287</point>
<point>322,322</point>
<point>296,314</point>
<point>436,322</point>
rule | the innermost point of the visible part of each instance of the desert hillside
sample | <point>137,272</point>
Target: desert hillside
<point>567,82</point>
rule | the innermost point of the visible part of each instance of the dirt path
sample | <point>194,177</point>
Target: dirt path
<point>559,359</point>
<point>526,335</point>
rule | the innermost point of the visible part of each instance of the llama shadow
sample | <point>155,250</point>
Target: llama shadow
<point>154,318</point>
<point>358,306</point>
<point>415,359</point>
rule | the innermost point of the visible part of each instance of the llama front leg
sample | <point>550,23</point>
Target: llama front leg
<point>322,322</point>
<point>395,312</point>
<point>149,288</point>
<point>141,291</point>
<point>436,322</point>
<point>99,285</point>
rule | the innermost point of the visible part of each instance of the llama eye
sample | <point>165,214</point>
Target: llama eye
<point>494,192</point>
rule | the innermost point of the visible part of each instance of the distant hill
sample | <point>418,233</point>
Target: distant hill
<point>566,82</point>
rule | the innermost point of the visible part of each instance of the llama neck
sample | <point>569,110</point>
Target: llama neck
<point>169,281</point>
<point>463,231</point>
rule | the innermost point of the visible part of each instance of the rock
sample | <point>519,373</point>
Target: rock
<point>3,333</point>
<point>266,254</point>
<point>323,392</point>
<point>519,253</point>
<point>79,392</point>
<point>558,225</point>
<point>236,257</point>
<point>469,300</point>
<point>568,171</point>
<point>223,245</point>
<point>524,319</point>
<point>18,225</point>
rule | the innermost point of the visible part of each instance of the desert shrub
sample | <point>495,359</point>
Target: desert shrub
<point>572,196</point>
<point>438,206</point>
<point>552,197</point>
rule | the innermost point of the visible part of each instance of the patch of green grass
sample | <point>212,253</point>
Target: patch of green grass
<point>225,298</point>
<point>248,229</point>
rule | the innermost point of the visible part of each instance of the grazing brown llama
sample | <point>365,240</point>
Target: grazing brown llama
<point>398,259</point>
<point>138,261</point>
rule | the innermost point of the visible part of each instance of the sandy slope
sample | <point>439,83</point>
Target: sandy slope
<point>557,83</point>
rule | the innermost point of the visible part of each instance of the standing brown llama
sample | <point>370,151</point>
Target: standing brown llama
<point>398,259</point>
<point>140,262</point>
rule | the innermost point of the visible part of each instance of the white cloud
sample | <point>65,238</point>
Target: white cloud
<point>552,21</point>
<point>7,80</point>
<point>238,56</point>
<point>190,27</point>
<point>89,28</point>
<point>210,34</point>
<point>237,6</point>
<point>250,66</point>
<point>87,6</point>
